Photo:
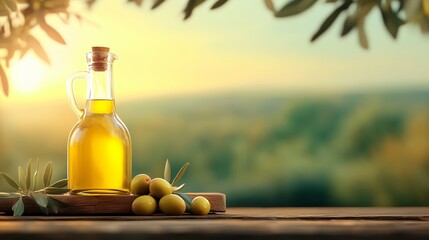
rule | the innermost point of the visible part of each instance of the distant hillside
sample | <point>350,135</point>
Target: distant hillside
<point>261,149</point>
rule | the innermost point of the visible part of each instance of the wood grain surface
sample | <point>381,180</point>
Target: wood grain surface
<point>236,223</point>
<point>100,205</point>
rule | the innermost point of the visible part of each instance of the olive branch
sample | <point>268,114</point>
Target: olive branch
<point>27,184</point>
<point>179,175</point>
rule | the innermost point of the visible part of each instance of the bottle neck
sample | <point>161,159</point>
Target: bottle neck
<point>100,83</point>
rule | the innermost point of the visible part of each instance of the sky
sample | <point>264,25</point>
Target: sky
<point>238,47</point>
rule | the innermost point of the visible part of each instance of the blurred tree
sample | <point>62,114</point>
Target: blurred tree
<point>19,17</point>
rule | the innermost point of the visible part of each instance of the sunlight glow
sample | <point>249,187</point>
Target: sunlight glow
<point>27,74</point>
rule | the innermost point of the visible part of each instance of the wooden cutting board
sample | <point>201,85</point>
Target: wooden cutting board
<point>100,205</point>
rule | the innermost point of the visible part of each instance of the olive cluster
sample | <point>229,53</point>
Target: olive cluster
<point>158,193</point>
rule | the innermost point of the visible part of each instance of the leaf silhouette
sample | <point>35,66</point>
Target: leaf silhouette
<point>90,3</point>
<point>137,2</point>
<point>391,21</point>
<point>3,9</point>
<point>60,183</point>
<point>192,4</point>
<point>35,179</point>
<point>363,40</point>
<point>364,7</point>
<point>328,22</point>
<point>52,33</point>
<point>167,171</point>
<point>28,175</point>
<point>295,7</point>
<point>269,4</point>
<point>40,199</point>
<point>9,180</point>
<point>54,204</point>
<point>18,207</point>
<point>157,3</point>
<point>47,174</point>
<point>21,178</point>
<point>11,4</point>
<point>349,24</point>
<point>186,198</point>
<point>4,81</point>
<point>219,4</point>
<point>38,49</point>
<point>180,174</point>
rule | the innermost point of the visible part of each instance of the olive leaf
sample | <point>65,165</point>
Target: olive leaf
<point>89,3</point>
<point>157,3</point>
<point>219,4</point>
<point>6,195</point>
<point>35,180</point>
<point>3,10</point>
<point>192,4</point>
<point>11,4</point>
<point>391,21</point>
<point>328,22</point>
<point>186,198</point>
<point>364,7</point>
<point>48,174</point>
<point>137,2</point>
<point>363,40</point>
<point>52,33</point>
<point>167,171</point>
<point>36,176</point>
<point>9,180</point>
<point>179,175</point>
<point>28,175</point>
<point>4,81</point>
<point>269,4</point>
<point>55,204</point>
<point>349,24</point>
<point>178,188</point>
<point>38,49</point>
<point>26,187</point>
<point>18,207</point>
<point>60,183</point>
<point>9,195</point>
<point>21,178</point>
<point>295,7</point>
<point>40,199</point>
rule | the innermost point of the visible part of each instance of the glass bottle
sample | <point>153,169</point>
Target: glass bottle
<point>99,145</point>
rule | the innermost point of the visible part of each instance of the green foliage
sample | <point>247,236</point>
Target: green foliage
<point>27,185</point>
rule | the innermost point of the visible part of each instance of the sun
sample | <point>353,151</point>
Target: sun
<point>26,75</point>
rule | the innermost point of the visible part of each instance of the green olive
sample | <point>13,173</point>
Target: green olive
<point>200,206</point>
<point>159,187</point>
<point>172,204</point>
<point>144,205</point>
<point>140,184</point>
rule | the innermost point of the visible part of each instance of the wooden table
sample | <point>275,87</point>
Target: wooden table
<point>236,223</point>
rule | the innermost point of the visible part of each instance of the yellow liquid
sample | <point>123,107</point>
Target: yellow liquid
<point>99,152</point>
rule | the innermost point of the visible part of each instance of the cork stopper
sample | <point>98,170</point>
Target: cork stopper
<point>100,58</point>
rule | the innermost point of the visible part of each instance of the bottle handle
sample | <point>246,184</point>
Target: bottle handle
<point>70,91</point>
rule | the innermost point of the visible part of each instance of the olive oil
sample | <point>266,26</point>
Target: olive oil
<point>99,152</point>
<point>99,145</point>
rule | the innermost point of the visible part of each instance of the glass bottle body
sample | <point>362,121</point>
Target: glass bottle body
<point>99,152</point>
<point>99,145</point>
